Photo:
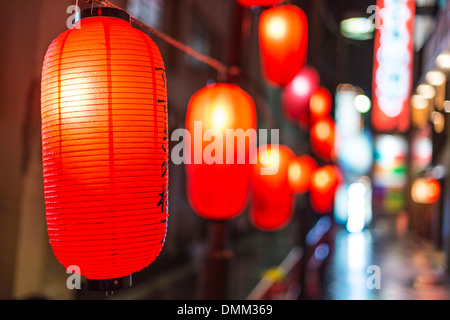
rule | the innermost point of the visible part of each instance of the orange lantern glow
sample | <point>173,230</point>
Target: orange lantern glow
<point>105,148</point>
<point>283,39</point>
<point>322,135</point>
<point>297,94</point>
<point>219,174</point>
<point>300,172</point>
<point>320,105</point>
<point>324,183</point>
<point>425,190</point>
<point>272,198</point>
<point>257,3</point>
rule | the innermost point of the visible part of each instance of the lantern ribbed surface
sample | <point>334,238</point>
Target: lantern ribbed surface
<point>218,188</point>
<point>105,148</point>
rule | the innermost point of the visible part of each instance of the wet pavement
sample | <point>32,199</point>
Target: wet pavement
<point>381,264</point>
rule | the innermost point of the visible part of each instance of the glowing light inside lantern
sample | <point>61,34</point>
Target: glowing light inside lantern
<point>301,86</point>
<point>321,179</point>
<point>425,190</point>
<point>269,158</point>
<point>322,130</point>
<point>276,28</point>
<point>294,171</point>
<point>320,104</point>
<point>219,117</point>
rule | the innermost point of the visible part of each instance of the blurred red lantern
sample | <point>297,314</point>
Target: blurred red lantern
<point>283,40</point>
<point>300,171</point>
<point>425,190</point>
<point>320,105</point>
<point>272,198</point>
<point>105,148</point>
<point>324,183</point>
<point>218,188</point>
<point>322,136</point>
<point>297,94</point>
<point>257,3</point>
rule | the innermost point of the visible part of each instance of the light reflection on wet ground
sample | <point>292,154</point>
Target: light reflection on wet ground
<point>407,268</point>
<point>403,267</point>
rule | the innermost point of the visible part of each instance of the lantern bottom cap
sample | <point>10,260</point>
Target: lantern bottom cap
<point>109,284</point>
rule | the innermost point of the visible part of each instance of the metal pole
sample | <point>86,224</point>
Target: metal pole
<point>214,276</point>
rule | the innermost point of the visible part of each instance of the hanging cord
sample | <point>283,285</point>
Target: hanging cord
<point>222,69</point>
<point>213,63</point>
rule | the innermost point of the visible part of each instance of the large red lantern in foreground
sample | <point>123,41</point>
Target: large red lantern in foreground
<point>105,148</point>
<point>324,183</point>
<point>218,173</point>
<point>323,136</point>
<point>272,198</point>
<point>257,3</point>
<point>300,172</point>
<point>320,105</point>
<point>297,94</point>
<point>283,40</point>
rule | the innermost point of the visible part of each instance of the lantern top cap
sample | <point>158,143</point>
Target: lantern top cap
<point>102,12</point>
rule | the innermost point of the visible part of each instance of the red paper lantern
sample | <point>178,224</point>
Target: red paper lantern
<point>283,40</point>
<point>320,105</point>
<point>218,188</point>
<point>257,3</point>
<point>272,198</point>
<point>322,136</point>
<point>105,148</point>
<point>324,183</point>
<point>300,171</point>
<point>297,94</point>
<point>425,190</point>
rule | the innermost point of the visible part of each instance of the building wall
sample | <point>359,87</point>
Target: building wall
<point>28,267</point>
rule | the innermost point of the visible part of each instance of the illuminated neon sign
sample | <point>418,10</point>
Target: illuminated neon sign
<point>393,61</point>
